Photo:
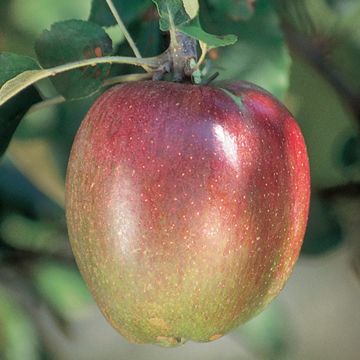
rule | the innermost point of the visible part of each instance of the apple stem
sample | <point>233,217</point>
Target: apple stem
<point>182,53</point>
<point>124,30</point>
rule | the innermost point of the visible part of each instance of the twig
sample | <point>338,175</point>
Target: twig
<point>312,53</point>
<point>108,82</point>
<point>12,255</point>
<point>351,189</point>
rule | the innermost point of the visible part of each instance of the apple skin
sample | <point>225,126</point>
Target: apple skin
<point>186,206</point>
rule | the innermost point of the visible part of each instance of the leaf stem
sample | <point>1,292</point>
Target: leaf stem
<point>204,50</point>
<point>122,27</point>
<point>30,77</point>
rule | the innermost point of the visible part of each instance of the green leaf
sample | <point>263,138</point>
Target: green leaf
<point>43,14</point>
<point>20,82</point>
<point>62,288</point>
<point>70,41</point>
<point>191,7</point>
<point>260,56</point>
<point>179,15</point>
<point>13,64</point>
<point>194,30</point>
<point>30,77</point>
<point>172,13</point>
<point>18,337</point>
<point>129,11</point>
<point>234,9</point>
<point>12,112</point>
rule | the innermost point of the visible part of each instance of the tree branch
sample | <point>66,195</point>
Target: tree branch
<point>307,47</point>
<point>13,255</point>
<point>351,190</point>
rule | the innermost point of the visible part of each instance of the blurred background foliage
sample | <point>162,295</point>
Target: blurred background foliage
<point>307,53</point>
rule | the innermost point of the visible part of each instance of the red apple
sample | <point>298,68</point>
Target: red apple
<point>186,206</point>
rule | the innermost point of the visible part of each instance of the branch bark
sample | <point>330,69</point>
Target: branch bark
<point>351,190</point>
<point>308,48</point>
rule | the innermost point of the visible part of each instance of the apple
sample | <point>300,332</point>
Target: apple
<point>186,206</point>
